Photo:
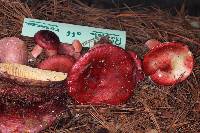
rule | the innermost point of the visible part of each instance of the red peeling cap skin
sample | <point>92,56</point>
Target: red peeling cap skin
<point>168,63</point>
<point>104,75</point>
<point>47,39</point>
<point>59,63</point>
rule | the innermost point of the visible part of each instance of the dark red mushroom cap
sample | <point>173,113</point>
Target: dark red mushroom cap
<point>47,39</point>
<point>104,75</point>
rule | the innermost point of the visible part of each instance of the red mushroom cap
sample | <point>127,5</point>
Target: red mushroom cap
<point>168,63</point>
<point>59,63</point>
<point>104,75</point>
<point>47,39</point>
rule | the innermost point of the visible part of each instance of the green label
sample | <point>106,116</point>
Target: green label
<point>68,32</point>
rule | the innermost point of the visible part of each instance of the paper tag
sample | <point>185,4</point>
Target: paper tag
<point>68,32</point>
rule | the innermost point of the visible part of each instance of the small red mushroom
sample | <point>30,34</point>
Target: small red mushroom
<point>59,63</point>
<point>66,49</point>
<point>72,50</point>
<point>47,40</point>
<point>168,63</point>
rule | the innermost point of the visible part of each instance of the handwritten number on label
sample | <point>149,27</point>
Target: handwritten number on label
<point>73,34</point>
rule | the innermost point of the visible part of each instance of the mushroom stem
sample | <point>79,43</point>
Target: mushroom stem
<point>37,50</point>
<point>77,46</point>
<point>152,43</point>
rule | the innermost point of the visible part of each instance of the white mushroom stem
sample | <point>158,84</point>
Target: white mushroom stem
<point>152,43</point>
<point>77,46</point>
<point>37,50</point>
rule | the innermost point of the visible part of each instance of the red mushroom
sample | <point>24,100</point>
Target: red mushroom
<point>66,49</point>
<point>72,50</point>
<point>59,63</point>
<point>13,50</point>
<point>47,40</point>
<point>104,75</point>
<point>168,63</point>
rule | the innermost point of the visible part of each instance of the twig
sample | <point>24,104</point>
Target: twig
<point>177,118</point>
<point>152,116</point>
<point>102,121</point>
<point>183,37</point>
